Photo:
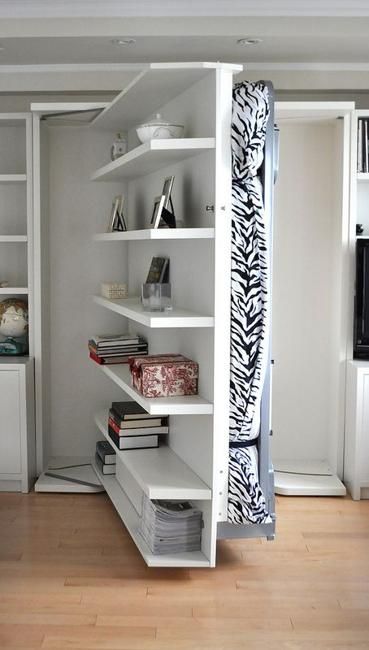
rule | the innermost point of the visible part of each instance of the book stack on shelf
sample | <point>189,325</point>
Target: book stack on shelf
<point>105,457</point>
<point>108,349</point>
<point>131,427</point>
<point>171,526</point>
<point>363,145</point>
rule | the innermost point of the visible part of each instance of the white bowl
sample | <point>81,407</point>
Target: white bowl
<point>151,131</point>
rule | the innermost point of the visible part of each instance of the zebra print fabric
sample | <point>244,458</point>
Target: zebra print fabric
<point>249,303</point>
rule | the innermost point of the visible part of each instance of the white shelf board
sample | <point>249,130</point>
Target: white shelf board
<point>185,405</point>
<point>154,86</point>
<point>13,290</point>
<point>157,234</point>
<point>13,178</point>
<point>131,520</point>
<point>159,472</point>
<point>289,484</point>
<point>132,308</point>
<point>83,472</point>
<point>361,176</point>
<point>8,239</point>
<point>152,156</point>
<point>13,119</point>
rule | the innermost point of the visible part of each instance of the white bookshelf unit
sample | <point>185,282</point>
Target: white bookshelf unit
<point>198,325</point>
<point>17,427</point>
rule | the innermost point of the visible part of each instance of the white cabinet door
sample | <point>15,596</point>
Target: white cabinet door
<point>364,443</point>
<point>10,433</point>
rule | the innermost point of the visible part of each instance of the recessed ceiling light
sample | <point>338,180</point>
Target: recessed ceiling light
<point>249,41</point>
<point>123,41</point>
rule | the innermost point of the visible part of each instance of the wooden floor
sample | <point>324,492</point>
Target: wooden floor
<point>70,577</point>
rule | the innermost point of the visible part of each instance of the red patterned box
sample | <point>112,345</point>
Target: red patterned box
<point>164,375</point>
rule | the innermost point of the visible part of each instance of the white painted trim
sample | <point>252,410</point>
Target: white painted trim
<point>118,67</point>
<point>222,297</point>
<point>72,67</point>
<point>307,65</point>
<point>139,67</point>
<point>37,294</point>
<point>146,8</point>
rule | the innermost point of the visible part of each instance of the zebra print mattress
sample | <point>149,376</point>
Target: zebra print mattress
<point>249,303</point>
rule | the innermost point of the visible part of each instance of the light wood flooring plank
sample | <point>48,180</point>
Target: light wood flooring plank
<point>71,578</point>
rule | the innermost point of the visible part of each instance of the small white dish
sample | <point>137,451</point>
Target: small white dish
<point>159,128</point>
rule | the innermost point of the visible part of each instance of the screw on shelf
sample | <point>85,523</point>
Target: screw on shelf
<point>209,208</point>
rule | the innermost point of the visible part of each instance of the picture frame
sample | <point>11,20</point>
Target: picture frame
<point>167,191</point>
<point>159,202</point>
<point>116,219</point>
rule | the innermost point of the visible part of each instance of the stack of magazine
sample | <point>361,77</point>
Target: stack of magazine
<point>171,526</point>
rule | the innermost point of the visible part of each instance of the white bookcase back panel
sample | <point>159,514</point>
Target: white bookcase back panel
<point>362,206</point>
<point>13,209</point>
<point>193,190</point>
<point>78,209</point>
<point>13,149</point>
<point>194,108</point>
<point>13,264</point>
<point>307,276</point>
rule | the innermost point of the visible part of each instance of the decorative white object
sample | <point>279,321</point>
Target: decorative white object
<point>114,290</point>
<point>119,146</point>
<point>159,128</point>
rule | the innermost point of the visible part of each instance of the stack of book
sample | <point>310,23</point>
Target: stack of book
<point>171,526</point>
<point>363,145</point>
<point>131,427</point>
<point>105,457</point>
<point>105,349</point>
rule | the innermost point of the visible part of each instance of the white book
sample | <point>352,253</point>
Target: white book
<point>138,442</point>
<point>145,431</point>
<point>360,146</point>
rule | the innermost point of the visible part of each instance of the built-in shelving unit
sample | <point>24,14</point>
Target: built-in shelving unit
<point>152,156</point>
<point>361,179</point>
<point>159,472</point>
<point>17,465</point>
<point>184,405</point>
<point>16,221</point>
<point>169,234</point>
<point>132,308</point>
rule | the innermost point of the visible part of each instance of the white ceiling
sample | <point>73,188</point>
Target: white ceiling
<point>70,31</point>
<point>285,49</point>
